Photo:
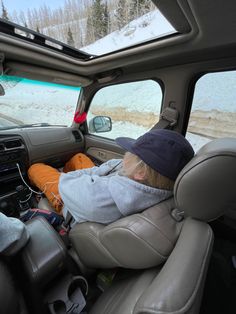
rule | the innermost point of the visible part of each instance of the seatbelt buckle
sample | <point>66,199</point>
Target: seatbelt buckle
<point>171,115</point>
<point>66,225</point>
<point>64,229</point>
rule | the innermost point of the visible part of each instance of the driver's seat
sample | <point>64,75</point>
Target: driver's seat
<point>204,190</point>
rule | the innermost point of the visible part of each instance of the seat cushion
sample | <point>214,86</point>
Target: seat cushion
<point>122,296</point>
<point>137,241</point>
<point>174,288</point>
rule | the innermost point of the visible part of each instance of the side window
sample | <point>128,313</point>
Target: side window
<point>133,108</point>
<point>213,111</point>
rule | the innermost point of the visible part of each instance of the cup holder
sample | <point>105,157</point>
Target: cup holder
<point>59,307</point>
<point>77,282</point>
<point>68,296</point>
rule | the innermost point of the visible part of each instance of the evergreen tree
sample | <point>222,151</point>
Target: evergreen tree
<point>105,24</point>
<point>144,6</point>
<point>70,39</point>
<point>138,8</point>
<point>89,38</point>
<point>121,14</point>
<point>100,19</point>
<point>4,12</point>
<point>37,29</point>
<point>133,10</point>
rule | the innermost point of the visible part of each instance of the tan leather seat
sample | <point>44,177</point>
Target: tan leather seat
<point>138,241</point>
<point>175,287</point>
<point>204,190</point>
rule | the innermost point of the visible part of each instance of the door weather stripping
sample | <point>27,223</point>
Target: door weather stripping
<point>2,57</point>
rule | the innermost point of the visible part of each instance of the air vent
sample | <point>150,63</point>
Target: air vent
<point>13,144</point>
<point>77,136</point>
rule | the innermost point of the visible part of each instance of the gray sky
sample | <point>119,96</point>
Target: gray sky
<point>24,5</point>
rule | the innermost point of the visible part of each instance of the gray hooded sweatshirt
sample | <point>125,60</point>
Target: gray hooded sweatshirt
<point>101,194</point>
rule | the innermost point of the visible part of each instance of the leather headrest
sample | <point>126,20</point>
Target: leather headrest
<point>205,188</point>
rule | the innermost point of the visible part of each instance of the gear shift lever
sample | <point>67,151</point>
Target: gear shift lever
<point>21,197</point>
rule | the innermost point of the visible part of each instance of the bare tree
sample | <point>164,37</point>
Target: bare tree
<point>70,39</point>
<point>4,12</point>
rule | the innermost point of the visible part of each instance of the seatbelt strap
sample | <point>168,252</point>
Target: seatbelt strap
<point>168,119</point>
<point>66,225</point>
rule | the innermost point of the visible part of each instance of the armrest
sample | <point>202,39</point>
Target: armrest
<point>178,287</point>
<point>137,241</point>
<point>44,255</point>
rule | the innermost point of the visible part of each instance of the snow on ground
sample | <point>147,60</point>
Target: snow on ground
<point>32,103</point>
<point>133,131</point>
<point>147,27</point>
<point>144,96</point>
<point>197,141</point>
<point>54,105</point>
<point>216,91</point>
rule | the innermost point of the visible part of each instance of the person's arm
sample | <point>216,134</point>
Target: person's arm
<point>101,170</point>
<point>13,235</point>
<point>87,197</point>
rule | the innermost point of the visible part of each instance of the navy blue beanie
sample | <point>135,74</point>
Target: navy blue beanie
<point>163,150</point>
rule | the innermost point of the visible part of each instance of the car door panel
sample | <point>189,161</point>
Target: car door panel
<point>101,149</point>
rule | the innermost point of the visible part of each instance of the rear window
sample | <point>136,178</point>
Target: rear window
<point>213,113</point>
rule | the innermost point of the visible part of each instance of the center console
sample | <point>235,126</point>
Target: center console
<point>51,286</point>
<point>13,166</point>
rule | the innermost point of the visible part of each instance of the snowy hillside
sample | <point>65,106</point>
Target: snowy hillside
<point>147,27</point>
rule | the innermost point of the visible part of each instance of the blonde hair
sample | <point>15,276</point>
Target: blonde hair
<point>151,177</point>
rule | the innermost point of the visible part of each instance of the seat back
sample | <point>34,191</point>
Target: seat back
<point>137,241</point>
<point>174,288</point>
<point>204,190</point>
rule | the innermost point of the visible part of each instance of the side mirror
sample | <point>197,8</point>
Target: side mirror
<point>2,91</point>
<point>100,124</point>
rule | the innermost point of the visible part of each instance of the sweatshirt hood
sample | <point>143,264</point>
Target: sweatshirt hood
<point>131,196</point>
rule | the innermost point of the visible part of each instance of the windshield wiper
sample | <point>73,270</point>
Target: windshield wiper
<point>33,125</point>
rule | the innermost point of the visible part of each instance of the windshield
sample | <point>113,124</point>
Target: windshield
<point>27,102</point>
<point>96,27</point>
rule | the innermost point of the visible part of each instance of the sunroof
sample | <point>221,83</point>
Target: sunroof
<point>96,27</point>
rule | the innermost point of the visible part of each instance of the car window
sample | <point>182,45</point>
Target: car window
<point>133,107</point>
<point>24,102</point>
<point>213,111</point>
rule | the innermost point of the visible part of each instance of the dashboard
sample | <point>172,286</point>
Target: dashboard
<point>22,147</point>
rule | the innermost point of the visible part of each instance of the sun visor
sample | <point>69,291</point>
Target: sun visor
<point>174,14</point>
<point>46,75</point>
